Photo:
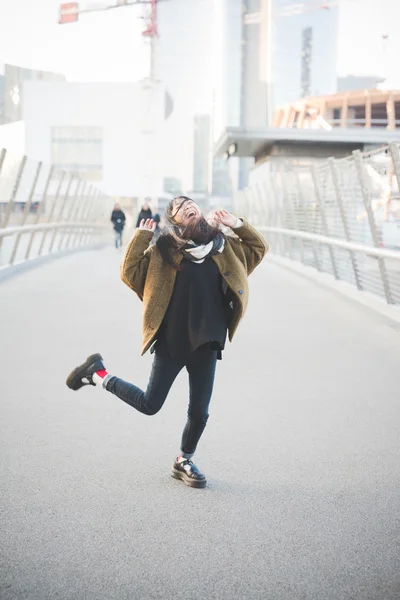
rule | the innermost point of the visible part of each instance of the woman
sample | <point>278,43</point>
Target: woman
<point>144,214</point>
<point>193,284</point>
<point>118,220</point>
<point>157,221</point>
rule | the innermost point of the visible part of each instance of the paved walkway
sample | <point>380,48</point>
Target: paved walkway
<point>301,450</point>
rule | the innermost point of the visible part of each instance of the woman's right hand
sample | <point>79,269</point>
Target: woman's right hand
<point>148,225</point>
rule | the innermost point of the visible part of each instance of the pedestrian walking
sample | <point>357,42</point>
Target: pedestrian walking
<point>193,284</point>
<point>145,213</point>
<point>118,220</point>
<point>157,230</point>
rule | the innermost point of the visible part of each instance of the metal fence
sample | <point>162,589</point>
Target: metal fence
<point>339,216</point>
<point>45,210</point>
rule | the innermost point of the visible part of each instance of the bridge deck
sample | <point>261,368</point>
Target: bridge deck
<point>301,450</point>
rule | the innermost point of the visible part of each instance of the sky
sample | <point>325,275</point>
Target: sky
<point>109,47</point>
<point>361,49</point>
<point>105,46</point>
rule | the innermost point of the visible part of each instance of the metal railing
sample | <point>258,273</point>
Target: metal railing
<point>44,210</point>
<point>339,216</point>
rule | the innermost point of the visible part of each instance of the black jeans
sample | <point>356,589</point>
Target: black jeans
<point>200,365</point>
<point>118,238</point>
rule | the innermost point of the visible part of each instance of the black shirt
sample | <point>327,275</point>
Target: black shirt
<point>196,314</point>
<point>144,214</point>
<point>118,219</point>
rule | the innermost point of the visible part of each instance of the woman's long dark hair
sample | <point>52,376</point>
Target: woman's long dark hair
<point>173,238</point>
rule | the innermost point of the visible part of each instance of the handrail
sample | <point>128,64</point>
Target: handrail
<point>69,213</point>
<point>340,216</point>
<point>351,246</point>
<point>4,232</point>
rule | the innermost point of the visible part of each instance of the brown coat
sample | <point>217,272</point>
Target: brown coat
<point>152,279</point>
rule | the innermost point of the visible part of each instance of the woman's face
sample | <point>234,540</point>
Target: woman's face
<point>185,212</point>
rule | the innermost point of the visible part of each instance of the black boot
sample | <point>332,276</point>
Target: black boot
<point>93,363</point>
<point>189,473</point>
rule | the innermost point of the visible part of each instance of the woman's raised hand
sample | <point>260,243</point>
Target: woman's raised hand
<point>148,225</point>
<point>224,217</point>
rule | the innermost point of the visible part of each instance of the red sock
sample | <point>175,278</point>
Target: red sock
<point>102,373</point>
<point>98,377</point>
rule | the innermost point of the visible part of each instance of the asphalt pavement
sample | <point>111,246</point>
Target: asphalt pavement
<point>301,450</point>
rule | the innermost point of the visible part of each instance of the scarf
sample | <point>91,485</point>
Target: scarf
<point>199,252</point>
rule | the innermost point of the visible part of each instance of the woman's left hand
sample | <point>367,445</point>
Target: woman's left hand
<point>225,218</point>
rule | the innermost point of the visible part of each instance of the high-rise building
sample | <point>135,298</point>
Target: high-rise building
<point>271,52</point>
<point>201,153</point>
<point>270,55</point>
<point>221,185</point>
<point>240,92</point>
<point>241,87</point>
<point>183,63</point>
<point>303,42</point>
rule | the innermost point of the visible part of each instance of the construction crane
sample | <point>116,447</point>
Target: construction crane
<point>70,12</point>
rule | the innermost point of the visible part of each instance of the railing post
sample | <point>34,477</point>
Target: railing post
<point>74,216</point>
<point>246,197</point>
<point>13,195</point>
<point>3,154</point>
<point>395,153</point>
<point>237,209</point>
<point>89,209</point>
<point>60,214</point>
<point>270,212</point>
<point>346,229</point>
<point>92,213</point>
<point>39,211</point>
<point>234,205</point>
<point>286,208</point>
<point>2,157</point>
<point>374,232</point>
<point>257,196</point>
<point>68,219</point>
<point>27,208</point>
<point>280,219</point>
<point>320,199</point>
<point>248,192</point>
<point>306,218</point>
<point>86,216</point>
<point>266,205</point>
<point>295,220</point>
<point>53,207</point>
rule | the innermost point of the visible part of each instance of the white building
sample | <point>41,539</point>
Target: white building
<point>12,138</point>
<point>108,132</point>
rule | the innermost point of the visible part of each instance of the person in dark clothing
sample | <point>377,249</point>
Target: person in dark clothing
<point>157,220</point>
<point>193,284</point>
<point>144,214</point>
<point>118,220</point>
